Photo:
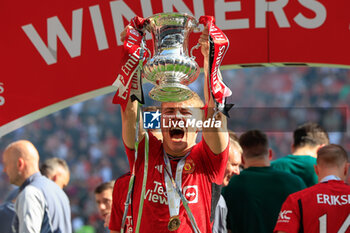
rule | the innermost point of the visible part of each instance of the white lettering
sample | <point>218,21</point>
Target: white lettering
<point>333,199</point>
<point>326,199</point>
<point>221,7</point>
<point>99,28</point>
<point>2,99</point>
<point>122,89</point>
<point>54,30</point>
<point>155,198</point>
<point>190,122</point>
<point>163,200</point>
<point>284,216</point>
<point>344,199</point>
<point>317,8</point>
<point>206,123</point>
<point>276,7</point>
<point>211,122</point>
<point>165,125</point>
<point>148,193</point>
<point>156,186</point>
<point>156,194</point>
<point>146,8</point>
<point>120,9</point>
<point>345,225</point>
<point>199,124</point>
<point>323,224</point>
<point>181,124</point>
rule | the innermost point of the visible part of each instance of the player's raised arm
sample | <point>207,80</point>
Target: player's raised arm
<point>216,138</point>
<point>129,116</point>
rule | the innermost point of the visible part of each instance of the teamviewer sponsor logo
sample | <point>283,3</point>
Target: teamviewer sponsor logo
<point>151,120</point>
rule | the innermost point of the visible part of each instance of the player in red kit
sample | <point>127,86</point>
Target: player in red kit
<point>178,168</point>
<point>119,198</point>
<point>324,207</point>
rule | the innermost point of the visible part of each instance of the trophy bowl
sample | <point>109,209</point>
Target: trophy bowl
<point>171,69</point>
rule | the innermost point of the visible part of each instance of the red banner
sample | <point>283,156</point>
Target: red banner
<point>57,53</point>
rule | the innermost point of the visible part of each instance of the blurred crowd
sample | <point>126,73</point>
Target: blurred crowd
<point>88,135</point>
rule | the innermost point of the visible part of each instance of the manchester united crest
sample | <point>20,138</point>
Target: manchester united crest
<point>189,166</point>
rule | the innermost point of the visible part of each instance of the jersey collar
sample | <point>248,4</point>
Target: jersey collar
<point>328,178</point>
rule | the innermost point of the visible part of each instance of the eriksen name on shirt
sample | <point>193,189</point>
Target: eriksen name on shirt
<point>333,199</point>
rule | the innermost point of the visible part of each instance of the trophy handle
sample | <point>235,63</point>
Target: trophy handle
<point>194,47</point>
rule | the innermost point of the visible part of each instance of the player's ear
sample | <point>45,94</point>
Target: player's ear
<point>20,164</point>
<point>346,169</point>
<point>270,154</point>
<point>243,160</point>
<point>54,178</point>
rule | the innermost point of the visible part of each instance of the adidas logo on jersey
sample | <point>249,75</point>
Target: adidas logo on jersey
<point>159,168</point>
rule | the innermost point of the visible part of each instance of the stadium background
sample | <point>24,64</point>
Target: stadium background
<point>88,135</point>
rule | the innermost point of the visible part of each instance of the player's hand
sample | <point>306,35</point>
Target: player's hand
<point>107,218</point>
<point>123,33</point>
<point>204,42</point>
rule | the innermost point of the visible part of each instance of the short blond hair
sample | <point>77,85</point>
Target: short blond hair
<point>332,156</point>
<point>194,101</point>
<point>234,141</point>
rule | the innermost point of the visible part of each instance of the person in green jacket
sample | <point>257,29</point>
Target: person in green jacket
<point>254,198</point>
<point>308,138</point>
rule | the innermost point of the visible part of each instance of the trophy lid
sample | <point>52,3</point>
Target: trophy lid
<point>173,18</point>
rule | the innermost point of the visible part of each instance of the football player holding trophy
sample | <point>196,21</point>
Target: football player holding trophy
<point>173,182</point>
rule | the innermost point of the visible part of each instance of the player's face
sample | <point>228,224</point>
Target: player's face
<point>177,138</point>
<point>232,167</point>
<point>62,178</point>
<point>104,202</point>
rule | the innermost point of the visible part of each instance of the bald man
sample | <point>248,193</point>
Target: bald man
<point>324,207</point>
<point>41,206</point>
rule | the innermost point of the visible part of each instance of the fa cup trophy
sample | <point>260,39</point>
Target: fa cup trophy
<point>171,68</point>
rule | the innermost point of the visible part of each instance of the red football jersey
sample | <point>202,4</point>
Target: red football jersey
<point>120,191</point>
<point>322,208</point>
<point>201,169</point>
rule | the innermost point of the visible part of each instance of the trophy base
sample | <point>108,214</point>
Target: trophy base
<point>171,92</point>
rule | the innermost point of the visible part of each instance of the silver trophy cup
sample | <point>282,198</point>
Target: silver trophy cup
<point>171,69</point>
